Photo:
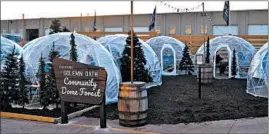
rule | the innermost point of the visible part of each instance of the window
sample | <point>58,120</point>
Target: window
<point>257,29</point>
<point>203,29</point>
<point>141,29</point>
<point>12,31</point>
<point>172,30</point>
<point>187,29</point>
<point>87,29</point>
<point>225,30</point>
<point>113,29</point>
<point>47,31</point>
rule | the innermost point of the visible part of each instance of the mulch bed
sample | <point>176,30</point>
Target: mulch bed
<point>176,101</point>
<point>44,112</point>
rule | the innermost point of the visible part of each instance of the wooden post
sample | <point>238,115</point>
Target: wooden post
<point>23,26</point>
<point>203,5</point>
<point>64,117</point>
<point>103,113</point>
<point>132,43</point>
<point>199,84</point>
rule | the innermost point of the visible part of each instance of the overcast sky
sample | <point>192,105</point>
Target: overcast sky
<point>44,9</point>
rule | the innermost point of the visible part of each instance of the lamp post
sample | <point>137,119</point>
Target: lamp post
<point>132,43</point>
<point>199,61</point>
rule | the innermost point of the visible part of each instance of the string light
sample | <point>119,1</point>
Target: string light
<point>191,9</point>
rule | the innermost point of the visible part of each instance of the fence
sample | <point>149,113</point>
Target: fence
<point>193,41</point>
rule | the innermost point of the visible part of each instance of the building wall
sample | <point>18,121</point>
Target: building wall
<point>164,22</point>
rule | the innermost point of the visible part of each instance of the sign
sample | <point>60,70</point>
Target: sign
<point>226,12</point>
<point>199,59</point>
<point>78,82</point>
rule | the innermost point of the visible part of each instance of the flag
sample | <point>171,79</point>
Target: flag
<point>226,12</point>
<point>94,22</point>
<point>152,23</point>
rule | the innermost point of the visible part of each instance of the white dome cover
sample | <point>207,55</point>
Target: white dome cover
<point>116,44</point>
<point>159,43</point>
<point>89,52</point>
<point>244,51</point>
<point>7,48</point>
<point>257,80</point>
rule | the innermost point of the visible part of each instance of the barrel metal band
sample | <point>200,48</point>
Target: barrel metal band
<point>133,89</point>
<point>134,121</point>
<point>133,113</point>
<point>139,98</point>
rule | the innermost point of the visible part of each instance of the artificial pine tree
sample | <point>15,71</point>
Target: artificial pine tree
<point>55,26</point>
<point>73,53</point>
<point>65,29</point>
<point>207,51</point>
<point>73,50</point>
<point>234,65</point>
<point>44,98</point>
<point>23,93</point>
<point>140,72</point>
<point>9,81</point>
<point>186,62</point>
<point>52,86</point>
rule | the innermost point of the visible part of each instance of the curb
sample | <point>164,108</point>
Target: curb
<point>28,117</point>
<point>43,118</point>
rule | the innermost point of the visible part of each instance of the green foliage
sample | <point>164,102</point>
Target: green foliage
<point>52,85</point>
<point>9,81</point>
<point>234,64</point>
<point>23,91</point>
<point>55,26</point>
<point>73,50</point>
<point>186,62</point>
<point>207,51</point>
<point>45,90</point>
<point>140,72</point>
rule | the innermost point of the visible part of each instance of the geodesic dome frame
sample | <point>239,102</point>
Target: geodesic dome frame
<point>89,52</point>
<point>169,52</point>
<point>244,52</point>
<point>257,80</point>
<point>115,44</point>
<point>7,47</point>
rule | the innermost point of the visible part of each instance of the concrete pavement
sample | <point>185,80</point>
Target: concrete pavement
<point>91,125</point>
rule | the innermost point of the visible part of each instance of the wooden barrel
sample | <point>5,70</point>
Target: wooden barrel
<point>206,74</point>
<point>132,104</point>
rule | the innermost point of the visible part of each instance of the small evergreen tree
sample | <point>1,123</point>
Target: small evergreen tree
<point>234,64</point>
<point>9,81</point>
<point>55,26</point>
<point>140,72</point>
<point>65,29</point>
<point>73,50</point>
<point>73,55</point>
<point>186,62</point>
<point>44,98</point>
<point>207,58</point>
<point>23,93</point>
<point>52,86</point>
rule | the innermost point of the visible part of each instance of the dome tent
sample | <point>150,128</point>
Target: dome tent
<point>244,53</point>
<point>169,51</point>
<point>115,44</point>
<point>7,47</point>
<point>89,52</point>
<point>257,80</point>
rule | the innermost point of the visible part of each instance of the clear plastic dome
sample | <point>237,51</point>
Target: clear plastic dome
<point>257,80</point>
<point>244,52</point>
<point>7,48</point>
<point>89,52</point>
<point>169,52</point>
<point>116,44</point>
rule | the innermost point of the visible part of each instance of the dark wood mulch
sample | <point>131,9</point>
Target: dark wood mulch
<point>176,101</point>
<point>44,112</point>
